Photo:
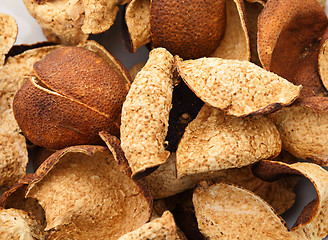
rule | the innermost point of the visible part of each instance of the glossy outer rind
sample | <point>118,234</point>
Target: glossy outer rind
<point>189,29</point>
<point>145,113</point>
<point>102,203</point>
<point>240,88</point>
<point>216,141</point>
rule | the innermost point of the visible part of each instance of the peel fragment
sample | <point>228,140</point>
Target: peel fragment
<point>8,35</point>
<point>235,42</point>
<point>145,113</point>
<point>103,202</point>
<point>222,207</point>
<point>160,228</point>
<point>215,141</point>
<point>17,224</point>
<point>289,45</point>
<point>303,132</point>
<point>240,88</point>
<point>136,25</point>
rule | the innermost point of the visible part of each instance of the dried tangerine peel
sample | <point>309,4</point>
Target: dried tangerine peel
<point>235,42</point>
<point>215,141</point>
<point>279,194</point>
<point>163,182</point>
<point>189,29</point>
<point>289,45</point>
<point>100,51</point>
<point>312,222</point>
<point>160,228</point>
<point>323,63</point>
<point>61,21</point>
<point>13,152</point>
<point>136,69</point>
<point>102,203</point>
<point>240,88</point>
<point>225,211</point>
<point>16,71</point>
<point>253,9</point>
<point>8,35</point>
<point>145,113</point>
<point>99,15</point>
<point>303,132</point>
<point>17,224</point>
<point>137,24</point>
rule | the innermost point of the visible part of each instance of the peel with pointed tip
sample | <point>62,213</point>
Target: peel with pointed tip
<point>216,141</point>
<point>239,88</point>
<point>145,113</point>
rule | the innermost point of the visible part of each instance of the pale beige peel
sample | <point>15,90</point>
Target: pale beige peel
<point>137,19</point>
<point>86,196</point>
<point>225,211</point>
<point>145,113</point>
<point>323,64</point>
<point>8,35</point>
<point>239,88</point>
<point>215,141</point>
<point>235,42</point>
<point>162,228</point>
<point>61,20</point>
<point>303,132</point>
<point>18,225</point>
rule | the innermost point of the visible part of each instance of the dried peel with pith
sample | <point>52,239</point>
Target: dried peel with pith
<point>235,43</point>
<point>215,141</point>
<point>240,88</point>
<point>17,224</point>
<point>145,113</point>
<point>303,132</point>
<point>160,228</point>
<point>136,25</point>
<point>8,35</point>
<point>103,202</point>
<point>232,212</point>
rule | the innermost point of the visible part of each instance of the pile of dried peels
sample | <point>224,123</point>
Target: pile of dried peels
<point>206,140</point>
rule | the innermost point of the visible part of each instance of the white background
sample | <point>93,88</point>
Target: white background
<point>29,32</point>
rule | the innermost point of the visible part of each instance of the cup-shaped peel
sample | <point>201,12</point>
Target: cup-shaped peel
<point>74,96</point>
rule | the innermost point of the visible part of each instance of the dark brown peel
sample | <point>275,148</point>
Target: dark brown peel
<point>190,29</point>
<point>289,45</point>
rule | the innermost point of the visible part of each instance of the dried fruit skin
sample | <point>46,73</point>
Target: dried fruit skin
<point>215,141</point>
<point>303,132</point>
<point>239,88</point>
<point>145,113</point>
<point>235,42</point>
<point>72,101</point>
<point>102,203</point>
<point>162,228</point>
<point>61,21</point>
<point>190,29</point>
<point>17,224</point>
<point>8,35</point>
<point>289,45</point>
